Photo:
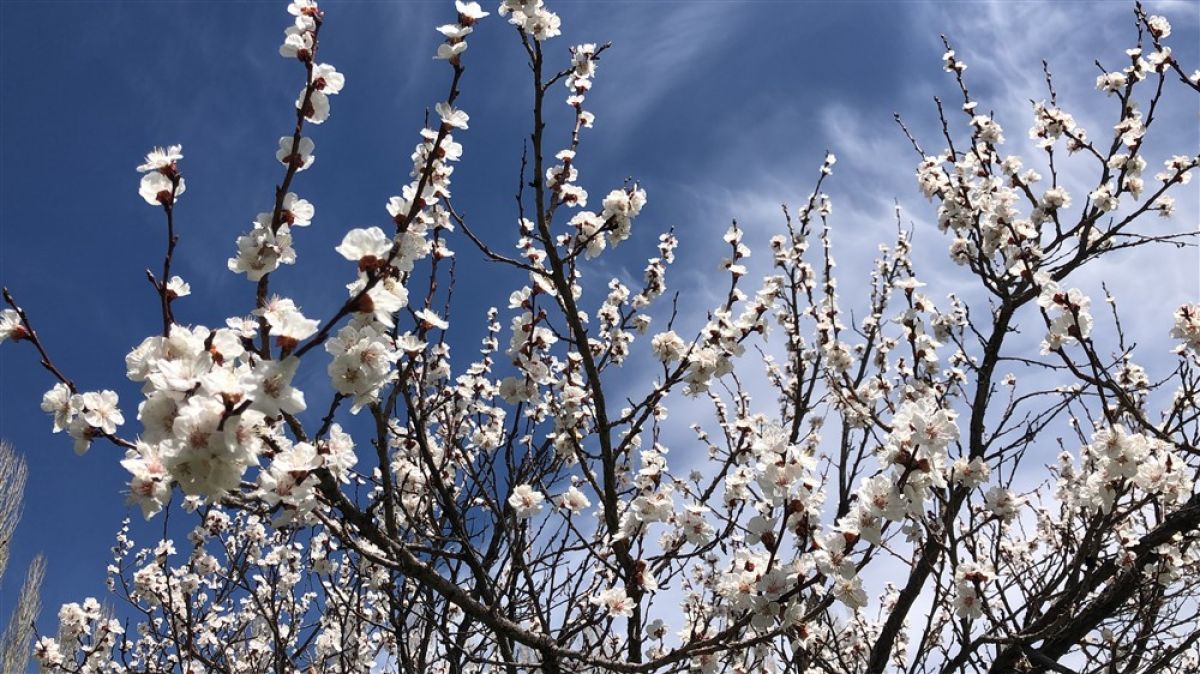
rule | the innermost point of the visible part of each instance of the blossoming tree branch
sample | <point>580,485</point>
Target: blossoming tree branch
<point>521,509</point>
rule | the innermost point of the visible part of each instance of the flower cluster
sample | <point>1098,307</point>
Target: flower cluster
<point>532,17</point>
<point>970,579</point>
<point>1115,460</point>
<point>456,33</point>
<point>1187,327</point>
<point>83,416</point>
<point>212,406</point>
<point>526,501</point>
<point>1068,316</point>
<point>161,181</point>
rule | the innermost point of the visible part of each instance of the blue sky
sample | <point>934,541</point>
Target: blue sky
<point>721,109</point>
